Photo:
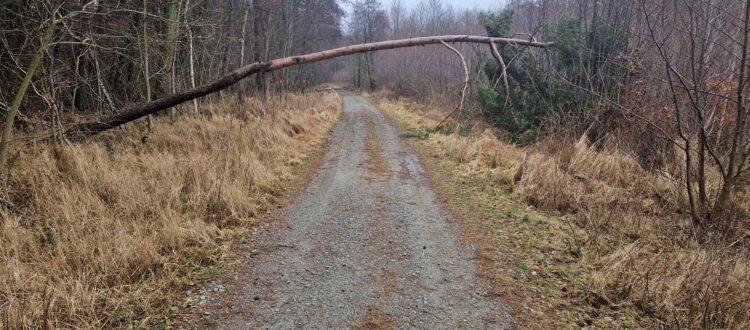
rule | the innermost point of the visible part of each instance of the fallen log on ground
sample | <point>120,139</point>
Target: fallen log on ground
<point>87,129</point>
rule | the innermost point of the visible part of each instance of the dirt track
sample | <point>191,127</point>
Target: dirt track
<point>366,244</point>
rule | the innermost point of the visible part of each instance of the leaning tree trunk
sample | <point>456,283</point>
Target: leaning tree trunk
<point>84,130</point>
<point>21,93</point>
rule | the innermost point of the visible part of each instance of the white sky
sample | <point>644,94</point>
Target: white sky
<point>469,4</point>
<point>465,4</point>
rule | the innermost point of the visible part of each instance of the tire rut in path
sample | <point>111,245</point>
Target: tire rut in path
<point>366,245</point>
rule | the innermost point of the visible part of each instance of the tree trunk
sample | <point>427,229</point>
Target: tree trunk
<point>739,140</point>
<point>84,130</point>
<point>146,69</point>
<point>191,55</point>
<point>173,16</point>
<point>18,99</point>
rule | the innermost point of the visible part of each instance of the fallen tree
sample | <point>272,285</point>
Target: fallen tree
<point>87,129</point>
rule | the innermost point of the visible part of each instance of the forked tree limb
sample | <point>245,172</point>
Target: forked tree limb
<point>504,71</point>
<point>504,75</point>
<point>87,129</point>
<point>466,82</point>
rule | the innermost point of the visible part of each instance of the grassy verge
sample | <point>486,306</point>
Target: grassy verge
<point>575,235</point>
<point>108,232</point>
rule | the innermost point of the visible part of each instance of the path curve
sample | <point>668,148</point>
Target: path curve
<point>366,245</point>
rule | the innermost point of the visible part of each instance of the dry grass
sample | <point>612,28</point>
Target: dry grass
<point>623,228</point>
<point>105,233</point>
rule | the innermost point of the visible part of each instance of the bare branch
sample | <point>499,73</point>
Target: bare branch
<point>503,69</point>
<point>466,82</point>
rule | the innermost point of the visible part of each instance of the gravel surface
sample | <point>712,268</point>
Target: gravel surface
<point>366,244</point>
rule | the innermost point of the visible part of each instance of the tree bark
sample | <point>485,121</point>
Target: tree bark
<point>16,105</point>
<point>466,83</point>
<point>738,153</point>
<point>191,55</point>
<point>172,36</point>
<point>88,129</point>
<point>146,69</point>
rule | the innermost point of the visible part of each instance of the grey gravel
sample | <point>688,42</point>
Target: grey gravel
<point>366,241</point>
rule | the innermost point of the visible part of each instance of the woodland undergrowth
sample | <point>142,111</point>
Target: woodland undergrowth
<point>627,229</point>
<point>105,233</point>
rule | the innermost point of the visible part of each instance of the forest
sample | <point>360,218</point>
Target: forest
<point>596,154</point>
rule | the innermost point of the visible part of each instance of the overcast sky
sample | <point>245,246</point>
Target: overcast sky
<point>481,4</point>
<point>469,4</point>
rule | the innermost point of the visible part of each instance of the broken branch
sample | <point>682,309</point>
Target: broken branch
<point>466,82</point>
<point>504,76</point>
<point>503,69</point>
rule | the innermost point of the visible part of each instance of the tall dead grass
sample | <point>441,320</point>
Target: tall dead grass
<point>629,226</point>
<point>104,233</point>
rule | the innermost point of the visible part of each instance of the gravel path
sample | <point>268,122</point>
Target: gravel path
<point>365,245</point>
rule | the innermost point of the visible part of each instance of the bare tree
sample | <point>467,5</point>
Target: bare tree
<point>21,93</point>
<point>702,27</point>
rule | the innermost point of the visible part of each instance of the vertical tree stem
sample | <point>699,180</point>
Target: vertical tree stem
<point>13,111</point>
